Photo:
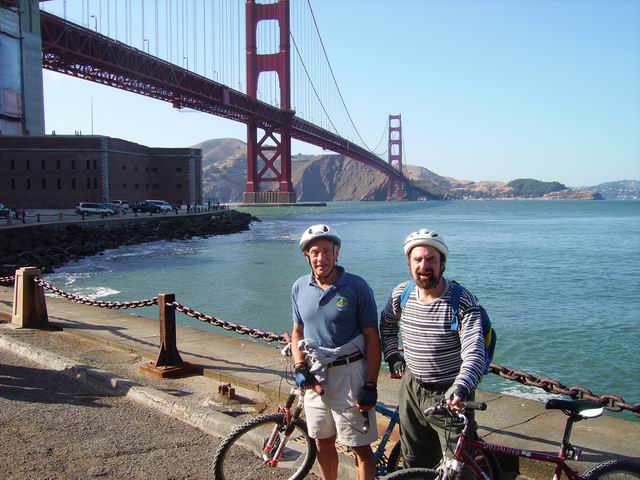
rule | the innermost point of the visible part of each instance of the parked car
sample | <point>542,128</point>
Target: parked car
<point>123,204</point>
<point>4,211</point>
<point>87,208</point>
<point>116,209</point>
<point>145,207</point>
<point>164,206</point>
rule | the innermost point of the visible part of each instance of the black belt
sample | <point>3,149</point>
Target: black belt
<point>345,360</point>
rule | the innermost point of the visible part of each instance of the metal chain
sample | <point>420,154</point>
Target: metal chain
<point>96,303</point>
<point>613,403</point>
<point>242,329</point>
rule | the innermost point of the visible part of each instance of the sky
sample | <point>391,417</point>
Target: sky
<point>487,90</point>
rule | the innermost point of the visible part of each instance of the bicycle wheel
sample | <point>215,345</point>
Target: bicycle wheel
<point>413,474</point>
<point>488,463</point>
<point>395,459</point>
<point>241,454</point>
<point>613,470</point>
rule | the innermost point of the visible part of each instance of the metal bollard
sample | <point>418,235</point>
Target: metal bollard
<point>169,362</point>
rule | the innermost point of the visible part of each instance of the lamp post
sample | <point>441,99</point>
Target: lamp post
<point>95,22</point>
<point>145,41</point>
<point>186,62</point>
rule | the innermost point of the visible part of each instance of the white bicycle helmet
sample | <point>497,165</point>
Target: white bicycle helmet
<point>315,232</point>
<point>428,238</point>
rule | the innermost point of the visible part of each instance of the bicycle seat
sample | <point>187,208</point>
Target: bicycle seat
<point>582,408</point>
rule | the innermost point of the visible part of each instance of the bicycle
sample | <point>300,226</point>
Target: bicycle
<point>461,459</point>
<point>277,445</point>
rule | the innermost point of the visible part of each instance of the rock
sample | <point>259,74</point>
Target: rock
<point>47,246</point>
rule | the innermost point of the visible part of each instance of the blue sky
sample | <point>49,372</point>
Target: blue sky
<point>488,90</point>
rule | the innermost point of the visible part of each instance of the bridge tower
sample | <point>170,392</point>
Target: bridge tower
<point>21,92</point>
<point>269,155</point>
<point>394,153</point>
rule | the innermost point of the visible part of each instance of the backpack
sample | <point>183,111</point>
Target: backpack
<point>488,332</point>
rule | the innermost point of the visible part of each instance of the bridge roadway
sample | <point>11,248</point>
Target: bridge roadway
<point>80,52</point>
<point>96,341</point>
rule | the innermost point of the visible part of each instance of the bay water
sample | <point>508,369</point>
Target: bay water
<point>560,279</point>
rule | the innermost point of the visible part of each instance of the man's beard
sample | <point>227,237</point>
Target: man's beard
<point>427,283</point>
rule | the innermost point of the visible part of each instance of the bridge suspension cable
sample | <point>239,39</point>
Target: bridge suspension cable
<point>334,78</point>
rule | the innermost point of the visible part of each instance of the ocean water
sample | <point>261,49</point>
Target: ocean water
<point>560,279</point>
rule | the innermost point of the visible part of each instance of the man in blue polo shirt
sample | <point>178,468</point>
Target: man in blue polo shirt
<point>335,336</point>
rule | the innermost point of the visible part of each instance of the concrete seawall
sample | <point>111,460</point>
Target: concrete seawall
<point>48,245</point>
<point>255,366</point>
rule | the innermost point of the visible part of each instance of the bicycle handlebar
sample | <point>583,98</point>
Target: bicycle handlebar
<point>441,408</point>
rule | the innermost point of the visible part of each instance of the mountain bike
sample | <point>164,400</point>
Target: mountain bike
<point>462,463</point>
<point>277,445</point>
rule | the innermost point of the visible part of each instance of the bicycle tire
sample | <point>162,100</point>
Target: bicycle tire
<point>240,455</point>
<point>413,474</point>
<point>488,463</point>
<point>613,470</point>
<point>395,459</point>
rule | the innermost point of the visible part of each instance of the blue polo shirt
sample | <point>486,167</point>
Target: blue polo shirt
<point>337,315</point>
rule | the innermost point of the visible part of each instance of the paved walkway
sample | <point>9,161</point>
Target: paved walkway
<point>256,369</point>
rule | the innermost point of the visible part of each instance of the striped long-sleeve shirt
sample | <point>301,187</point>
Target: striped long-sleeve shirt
<point>435,354</point>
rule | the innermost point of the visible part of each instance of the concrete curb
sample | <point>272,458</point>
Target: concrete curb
<point>211,422</point>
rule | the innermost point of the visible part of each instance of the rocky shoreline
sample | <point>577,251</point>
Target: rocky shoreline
<point>47,246</point>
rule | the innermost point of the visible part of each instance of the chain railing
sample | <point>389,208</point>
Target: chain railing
<point>96,303</point>
<point>613,403</point>
<point>242,329</point>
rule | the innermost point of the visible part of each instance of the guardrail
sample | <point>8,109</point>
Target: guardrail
<point>31,312</point>
<point>24,217</point>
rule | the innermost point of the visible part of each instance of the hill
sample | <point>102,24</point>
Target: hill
<point>620,190</point>
<point>335,177</point>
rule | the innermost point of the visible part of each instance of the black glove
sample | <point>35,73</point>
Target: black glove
<point>368,395</point>
<point>304,378</point>
<point>458,390</point>
<point>396,364</point>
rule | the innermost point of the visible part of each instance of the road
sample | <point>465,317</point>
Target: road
<point>55,427</point>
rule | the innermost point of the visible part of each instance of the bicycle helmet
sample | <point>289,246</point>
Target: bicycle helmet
<point>428,238</point>
<point>314,232</point>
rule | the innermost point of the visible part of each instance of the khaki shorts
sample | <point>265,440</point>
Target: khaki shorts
<point>336,412</point>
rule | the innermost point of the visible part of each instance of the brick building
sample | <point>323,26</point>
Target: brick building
<point>59,171</point>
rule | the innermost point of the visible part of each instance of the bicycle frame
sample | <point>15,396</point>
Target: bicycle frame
<point>465,445</point>
<point>378,455</point>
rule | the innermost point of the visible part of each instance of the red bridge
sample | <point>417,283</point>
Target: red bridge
<point>84,53</point>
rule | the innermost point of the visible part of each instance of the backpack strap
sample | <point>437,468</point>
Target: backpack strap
<point>404,296</point>
<point>455,301</point>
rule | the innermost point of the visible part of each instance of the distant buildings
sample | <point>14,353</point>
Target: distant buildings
<point>59,171</point>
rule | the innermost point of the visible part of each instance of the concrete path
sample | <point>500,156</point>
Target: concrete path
<point>256,369</point>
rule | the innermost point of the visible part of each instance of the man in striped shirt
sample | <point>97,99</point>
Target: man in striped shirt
<point>436,361</point>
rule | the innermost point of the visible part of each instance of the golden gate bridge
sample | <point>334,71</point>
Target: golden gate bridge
<point>262,64</point>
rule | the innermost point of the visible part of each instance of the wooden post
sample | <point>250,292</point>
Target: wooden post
<point>29,307</point>
<point>169,362</point>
